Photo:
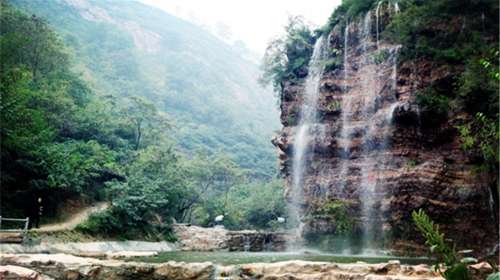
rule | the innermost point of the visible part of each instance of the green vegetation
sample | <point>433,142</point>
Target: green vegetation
<point>126,49</point>
<point>287,57</point>
<point>467,49</point>
<point>436,104</point>
<point>335,212</point>
<point>411,163</point>
<point>334,105</point>
<point>63,139</point>
<point>333,63</point>
<point>380,56</point>
<point>448,263</point>
<point>445,255</point>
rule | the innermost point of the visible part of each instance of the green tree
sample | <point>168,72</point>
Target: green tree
<point>286,57</point>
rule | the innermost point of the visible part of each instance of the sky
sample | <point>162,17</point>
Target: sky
<point>255,22</point>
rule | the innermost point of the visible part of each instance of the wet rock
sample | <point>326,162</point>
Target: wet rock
<point>13,272</point>
<point>407,114</point>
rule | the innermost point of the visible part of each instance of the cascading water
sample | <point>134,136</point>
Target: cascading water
<point>366,118</point>
<point>307,119</point>
<point>377,15</point>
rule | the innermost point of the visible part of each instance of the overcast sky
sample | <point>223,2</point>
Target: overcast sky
<point>254,22</point>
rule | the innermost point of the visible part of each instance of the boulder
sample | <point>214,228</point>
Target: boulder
<point>13,272</point>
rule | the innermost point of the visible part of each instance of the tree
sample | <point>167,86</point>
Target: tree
<point>29,41</point>
<point>144,115</point>
<point>211,179</point>
<point>287,56</point>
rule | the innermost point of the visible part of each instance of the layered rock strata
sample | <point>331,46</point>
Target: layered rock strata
<point>374,150</point>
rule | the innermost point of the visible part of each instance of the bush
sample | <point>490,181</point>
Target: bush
<point>287,57</point>
<point>335,212</point>
<point>333,64</point>
<point>446,255</point>
<point>434,104</point>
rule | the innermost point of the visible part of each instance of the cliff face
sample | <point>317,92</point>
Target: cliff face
<point>374,150</point>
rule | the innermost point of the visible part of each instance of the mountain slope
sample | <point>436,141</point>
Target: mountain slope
<point>125,48</point>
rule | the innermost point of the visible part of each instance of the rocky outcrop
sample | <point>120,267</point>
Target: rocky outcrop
<point>254,241</point>
<point>195,238</point>
<point>13,272</point>
<point>408,157</point>
<point>61,266</point>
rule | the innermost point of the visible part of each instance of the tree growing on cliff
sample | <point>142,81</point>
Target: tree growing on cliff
<point>287,56</point>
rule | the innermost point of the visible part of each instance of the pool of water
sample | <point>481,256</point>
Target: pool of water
<point>227,258</point>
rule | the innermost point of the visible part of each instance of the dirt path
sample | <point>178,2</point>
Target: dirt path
<point>74,220</point>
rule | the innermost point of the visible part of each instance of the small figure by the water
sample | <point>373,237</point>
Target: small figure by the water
<point>218,220</point>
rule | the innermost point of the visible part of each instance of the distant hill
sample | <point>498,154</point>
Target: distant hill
<point>207,87</point>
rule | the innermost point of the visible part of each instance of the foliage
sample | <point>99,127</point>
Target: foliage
<point>411,163</point>
<point>478,88</point>
<point>208,88</point>
<point>455,269</point>
<point>481,135</point>
<point>104,134</point>
<point>257,205</point>
<point>333,64</point>
<point>494,276</point>
<point>380,56</point>
<point>431,101</point>
<point>335,212</point>
<point>286,57</point>
<point>211,179</point>
<point>420,30</point>
<point>75,164</point>
<point>334,105</point>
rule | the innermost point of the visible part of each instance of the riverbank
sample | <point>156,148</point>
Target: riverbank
<point>63,266</point>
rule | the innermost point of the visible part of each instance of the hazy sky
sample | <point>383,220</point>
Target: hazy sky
<point>254,22</point>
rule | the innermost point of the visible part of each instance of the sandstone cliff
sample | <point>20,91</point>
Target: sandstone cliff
<point>377,152</point>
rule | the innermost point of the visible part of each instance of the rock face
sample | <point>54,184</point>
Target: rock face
<point>376,152</point>
<point>195,238</point>
<point>60,266</point>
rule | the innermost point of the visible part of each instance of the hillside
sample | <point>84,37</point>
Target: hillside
<point>207,88</point>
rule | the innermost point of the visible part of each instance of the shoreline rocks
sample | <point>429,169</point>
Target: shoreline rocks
<point>63,266</point>
<point>195,238</point>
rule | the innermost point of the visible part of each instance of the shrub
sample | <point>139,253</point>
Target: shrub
<point>336,212</point>
<point>286,57</point>
<point>455,269</point>
<point>380,56</point>
<point>437,104</point>
<point>333,64</point>
<point>334,105</point>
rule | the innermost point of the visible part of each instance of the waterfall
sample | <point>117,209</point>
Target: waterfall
<point>345,132</point>
<point>396,7</point>
<point>366,124</point>
<point>307,119</point>
<point>346,46</point>
<point>376,138</point>
<point>377,15</point>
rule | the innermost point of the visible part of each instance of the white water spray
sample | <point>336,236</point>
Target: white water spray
<point>366,123</point>
<point>377,15</point>
<point>307,119</point>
